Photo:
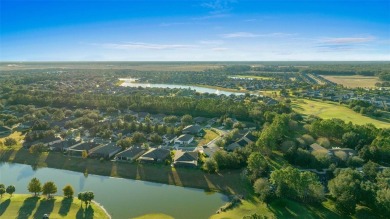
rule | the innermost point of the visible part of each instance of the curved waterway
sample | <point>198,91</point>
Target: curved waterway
<point>130,82</point>
<point>122,198</point>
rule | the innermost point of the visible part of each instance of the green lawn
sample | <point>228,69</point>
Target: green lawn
<point>328,110</point>
<point>209,136</point>
<point>27,206</point>
<point>281,208</point>
<point>18,136</point>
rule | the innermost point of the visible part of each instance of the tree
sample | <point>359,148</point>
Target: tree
<point>138,137</point>
<point>370,169</point>
<point>170,119</point>
<point>186,120</point>
<point>273,135</point>
<point>58,115</point>
<point>10,189</point>
<point>292,183</point>
<point>345,188</point>
<point>124,143</point>
<point>228,123</point>
<point>10,142</point>
<point>257,165</point>
<point>2,190</point>
<point>49,188</point>
<point>210,166</point>
<point>34,186</point>
<point>38,148</point>
<point>262,187</point>
<point>155,138</point>
<point>86,197</point>
<point>68,191</point>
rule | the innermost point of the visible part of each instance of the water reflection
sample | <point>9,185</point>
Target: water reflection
<point>123,198</point>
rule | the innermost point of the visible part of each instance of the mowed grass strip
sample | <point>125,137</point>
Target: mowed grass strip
<point>28,206</point>
<point>329,110</point>
<point>353,81</point>
<point>209,136</point>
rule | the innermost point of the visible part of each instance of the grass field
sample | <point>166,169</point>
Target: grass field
<point>353,81</point>
<point>280,208</point>
<point>209,136</point>
<point>18,136</point>
<point>28,206</point>
<point>328,110</point>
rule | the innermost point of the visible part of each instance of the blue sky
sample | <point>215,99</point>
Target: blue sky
<point>194,30</point>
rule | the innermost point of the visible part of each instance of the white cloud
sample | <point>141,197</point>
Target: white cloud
<point>211,42</point>
<point>239,35</point>
<point>253,35</point>
<point>347,40</point>
<point>141,45</point>
<point>219,49</point>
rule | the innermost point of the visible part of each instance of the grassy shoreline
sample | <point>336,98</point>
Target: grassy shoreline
<point>29,206</point>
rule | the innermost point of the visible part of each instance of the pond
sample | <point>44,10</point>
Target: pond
<point>122,198</point>
<point>131,82</point>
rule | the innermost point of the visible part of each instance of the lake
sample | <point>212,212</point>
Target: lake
<point>122,198</point>
<point>131,82</point>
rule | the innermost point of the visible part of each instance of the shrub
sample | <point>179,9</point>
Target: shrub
<point>308,139</point>
<point>324,142</point>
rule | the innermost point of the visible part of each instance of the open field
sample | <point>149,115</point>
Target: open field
<point>28,206</point>
<point>329,110</point>
<point>353,81</point>
<point>226,181</point>
<point>281,208</point>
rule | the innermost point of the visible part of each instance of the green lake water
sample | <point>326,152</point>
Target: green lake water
<point>122,198</point>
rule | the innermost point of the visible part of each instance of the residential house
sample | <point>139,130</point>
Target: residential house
<point>169,138</point>
<point>155,155</point>
<point>318,148</point>
<point>209,151</point>
<point>63,145</point>
<point>26,125</point>
<point>237,144</point>
<point>200,120</point>
<point>184,139</point>
<point>349,152</point>
<point>45,141</point>
<point>77,150</point>
<point>186,159</point>
<point>105,151</point>
<point>193,130</point>
<point>130,154</point>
